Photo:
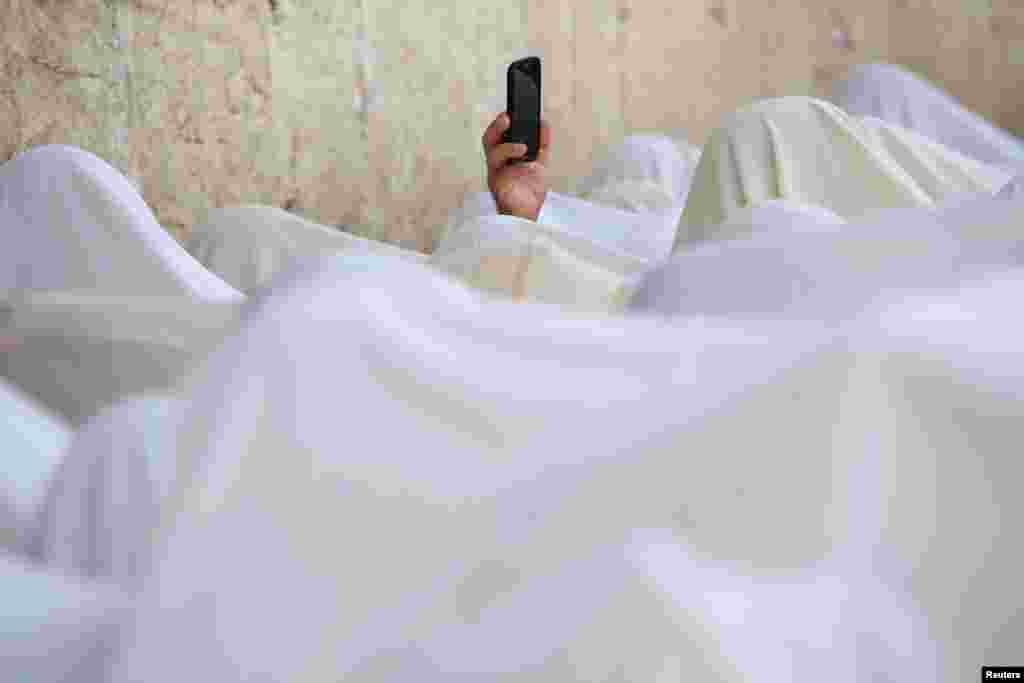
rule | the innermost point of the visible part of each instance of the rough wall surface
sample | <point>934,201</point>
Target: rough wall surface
<point>367,113</point>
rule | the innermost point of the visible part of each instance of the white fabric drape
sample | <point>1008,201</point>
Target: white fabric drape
<point>96,298</point>
<point>901,97</point>
<point>77,352</point>
<point>810,152</point>
<point>474,205</point>
<point>522,259</point>
<point>101,508</point>
<point>717,485</point>
<point>770,165</point>
<point>383,473</point>
<point>55,628</point>
<point>72,221</point>
<point>646,174</point>
<point>33,442</point>
<point>798,264</point>
<point>1014,189</point>
<point>642,173</point>
<point>248,245</point>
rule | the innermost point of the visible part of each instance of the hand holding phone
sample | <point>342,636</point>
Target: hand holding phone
<point>523,108</point>
<point>519,189</point>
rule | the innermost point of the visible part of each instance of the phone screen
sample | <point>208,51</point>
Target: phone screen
<point>524,105</point>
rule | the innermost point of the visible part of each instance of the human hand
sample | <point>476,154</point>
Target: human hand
<point>518,189</point>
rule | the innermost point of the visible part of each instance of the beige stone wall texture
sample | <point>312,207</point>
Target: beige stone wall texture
<point>367,113</point>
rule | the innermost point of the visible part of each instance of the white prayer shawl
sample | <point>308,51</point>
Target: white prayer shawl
<point>71,221</point>
<point>769,165</point>
<point>647,174</point>
<point>55,628</point>
<point>900,97</point>
<point>248,245</point>
<point>690,151</point>
<point>644,172</point>
<point>102,505</point>
<point>798,265</point>
<point>810,152</point>
<point>647,234</point>
<point>774,214</point>
<point>33,441</point>
<point>1014,189</point>
<point>578,254</point>
<point>77,352</point>
<point>474,205</point>
<point>719,486</point>
<point>521,259</point>
<point>632,195</point>
<point>642,162</point>
<point>940,170</point>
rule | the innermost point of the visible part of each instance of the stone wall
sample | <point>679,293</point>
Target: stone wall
<point>367,113</point>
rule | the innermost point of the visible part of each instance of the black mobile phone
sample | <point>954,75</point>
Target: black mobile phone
<point>523,106</point>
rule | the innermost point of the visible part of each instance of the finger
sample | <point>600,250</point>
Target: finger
<point>492,136</point>
<point>500,155</point>
<point>543,153</point>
